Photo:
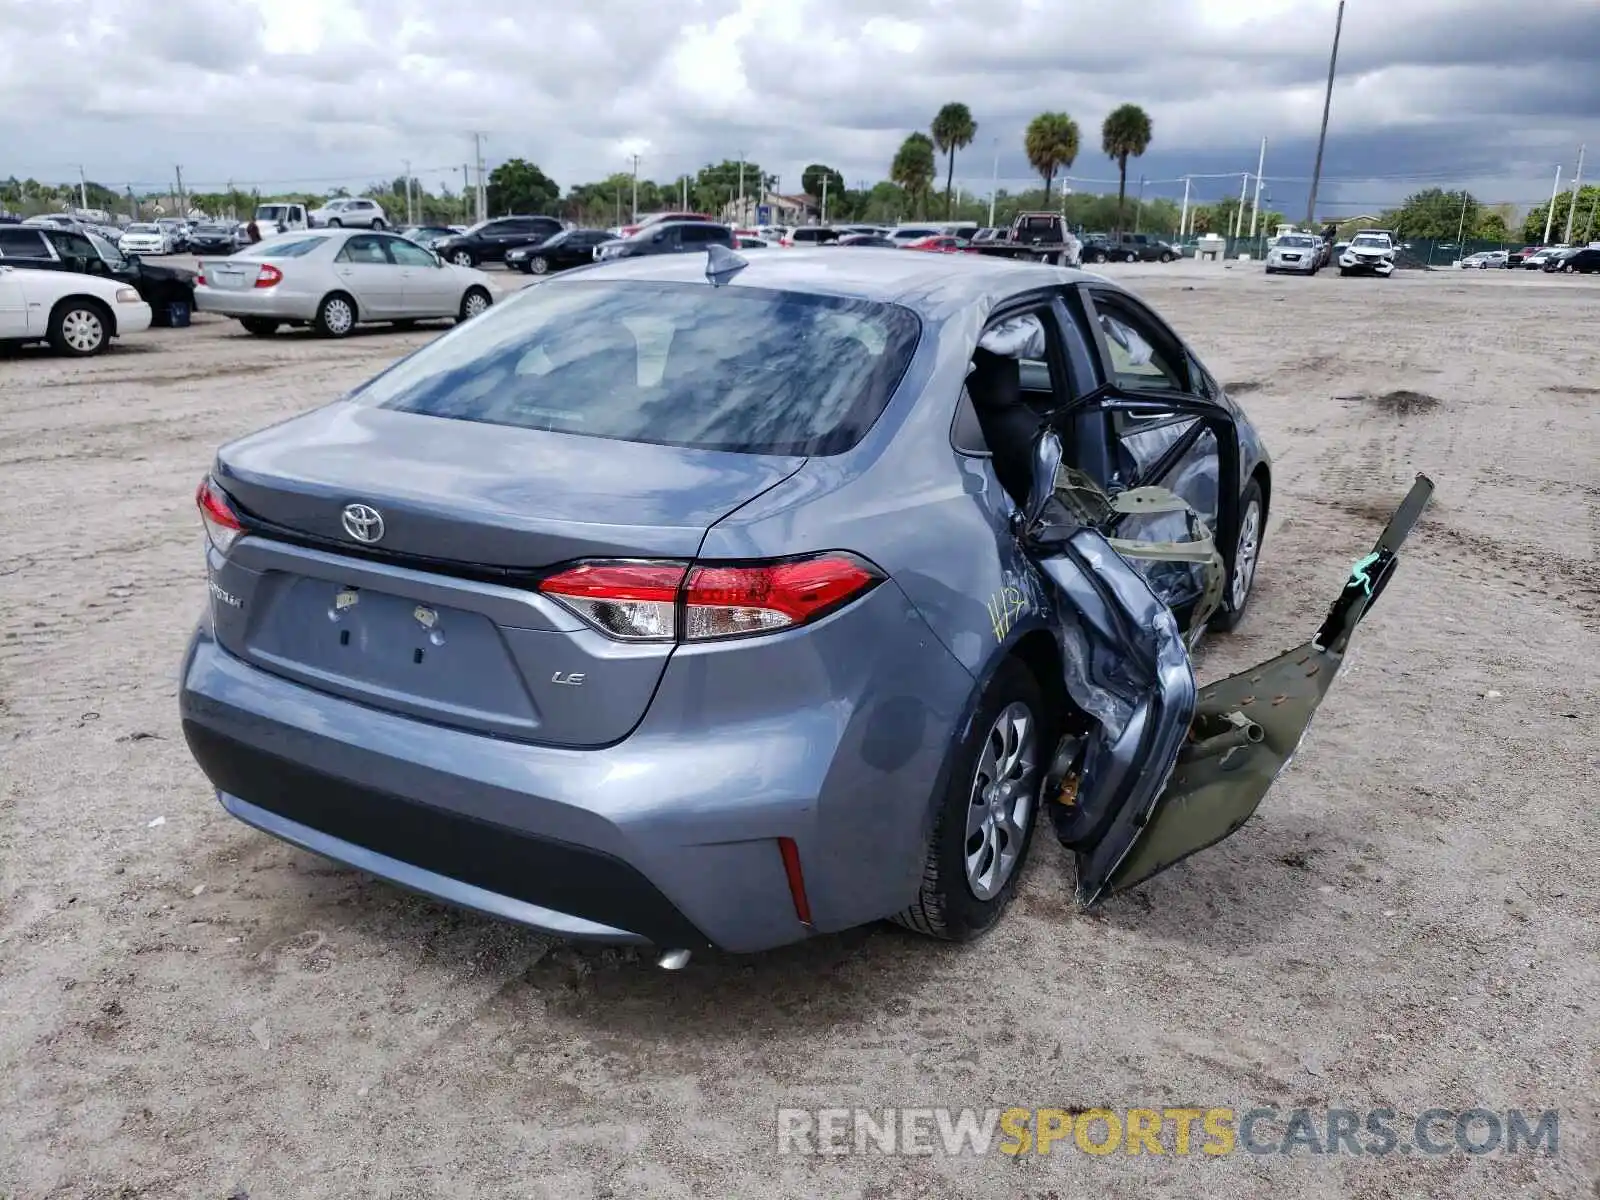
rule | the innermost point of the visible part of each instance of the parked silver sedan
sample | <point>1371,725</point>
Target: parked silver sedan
<point>335,279</point>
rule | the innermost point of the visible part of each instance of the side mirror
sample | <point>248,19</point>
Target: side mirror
<point>1047,455</point>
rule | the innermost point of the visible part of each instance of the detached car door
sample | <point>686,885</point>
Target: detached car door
<point>1162,767</point>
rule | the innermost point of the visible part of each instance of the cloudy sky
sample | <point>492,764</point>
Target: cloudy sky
<point>1490,94</point>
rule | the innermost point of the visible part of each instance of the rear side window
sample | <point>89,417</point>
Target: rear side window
<point>22,243</point>
<point>732,368</point>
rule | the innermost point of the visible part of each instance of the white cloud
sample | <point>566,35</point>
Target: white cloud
<point>340,91</point>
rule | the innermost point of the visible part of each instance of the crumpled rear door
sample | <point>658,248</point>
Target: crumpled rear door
<point>1165,769</point>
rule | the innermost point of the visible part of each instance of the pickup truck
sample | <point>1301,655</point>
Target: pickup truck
<point>280,218</point>
<point>1033,237</point>
<point>1127,247</point>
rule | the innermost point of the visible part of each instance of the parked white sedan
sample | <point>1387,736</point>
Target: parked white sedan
<point>336,279</point>
<point>77,314</point>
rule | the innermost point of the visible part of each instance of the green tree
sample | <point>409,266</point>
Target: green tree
<point>1585,221</point>
<point>1051,142</point>
<point>811,183</point>
<point>913,169</point>
<point>518,186</point>
<point>1434,213</point>
<point>1124,133</point>
<point>953,129</point>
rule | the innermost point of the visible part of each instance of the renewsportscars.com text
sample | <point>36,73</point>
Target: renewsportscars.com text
<point>1214,1132</point>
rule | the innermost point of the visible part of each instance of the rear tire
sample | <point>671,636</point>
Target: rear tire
<point>379,223</point>
<point>335,223</point>
<point>259,326</point>
<point>1247,551</point>
<point>474,303</point>
<point>948,906</point>
<point>1097,256</point>
<point>1132,257</point>
<point>80,328</point>
<point>336,315</point>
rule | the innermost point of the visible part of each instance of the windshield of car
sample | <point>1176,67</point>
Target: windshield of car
<point>272,212</point>
<point>212,229</point>
<point>1298,242</point>
<point>735,369</point>
<point>292,246</point>
<point>1373,241</point>
<point>141,229</point>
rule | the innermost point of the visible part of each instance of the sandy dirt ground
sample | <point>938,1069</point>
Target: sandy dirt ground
<point>192,1009</point>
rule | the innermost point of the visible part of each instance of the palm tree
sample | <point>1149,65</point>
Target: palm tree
<point>1125,133</point>
<point>953,129</point>
<point>913,167</point>
<point>1052,144</point>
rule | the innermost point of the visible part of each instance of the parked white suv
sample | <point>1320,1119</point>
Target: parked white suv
<point>355,212</point>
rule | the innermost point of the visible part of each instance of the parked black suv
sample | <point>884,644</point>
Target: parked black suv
<point>488,241</point>
<point>669,237</point>
<point>48,248</point>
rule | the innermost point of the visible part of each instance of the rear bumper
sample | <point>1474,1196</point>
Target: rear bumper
<point>669,837</point>
<point>272,303</point>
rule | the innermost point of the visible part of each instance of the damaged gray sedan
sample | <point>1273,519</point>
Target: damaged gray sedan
<point>694,601</point>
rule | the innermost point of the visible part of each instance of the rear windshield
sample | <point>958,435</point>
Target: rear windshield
<point>290,247</point>
<point>728,368</point>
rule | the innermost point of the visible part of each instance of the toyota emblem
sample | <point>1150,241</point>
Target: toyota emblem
<point>363,523</point>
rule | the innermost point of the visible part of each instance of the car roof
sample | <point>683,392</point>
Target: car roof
<point>932,285</point>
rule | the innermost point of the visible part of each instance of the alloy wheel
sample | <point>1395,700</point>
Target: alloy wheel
<point>1244,561</point>
<point>1001,801</point>
<point>461,258</point>
<point>539,264</point>
<point>476,304</point>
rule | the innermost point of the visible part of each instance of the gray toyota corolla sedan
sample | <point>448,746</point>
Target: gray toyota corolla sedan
<point>690,601</point>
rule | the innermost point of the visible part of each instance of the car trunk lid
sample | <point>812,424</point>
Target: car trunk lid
<point>439,616</point>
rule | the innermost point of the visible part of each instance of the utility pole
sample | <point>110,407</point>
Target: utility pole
<point>1550,213</point>
<point>685,193</point>
<point>1461,226</point>
<point>1238,216</point>
<point>1572,206</point>
<point>83,189</point>
<point>635,189</point>
<point>994,182</point>
<point>183,199</point>
<point>739,215</point>
<point>477,158</point>
<point>1327,103</point>
<point>406,163</point>
<point>1183,216</point>
<point>824,217</point>
<point>1255,205</point>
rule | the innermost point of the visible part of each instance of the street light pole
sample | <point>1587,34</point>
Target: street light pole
<point>635,217</point>
<point>1183,217</point>
<point>1327,103</point>
<point>1238,216</point>
<point>994,183</point>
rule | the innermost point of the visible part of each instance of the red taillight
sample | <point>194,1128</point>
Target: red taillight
<point>200,279</point>
<point>268,276</point>
<point>655,601</point>
<point>222,526</point>
<point>797,880</point>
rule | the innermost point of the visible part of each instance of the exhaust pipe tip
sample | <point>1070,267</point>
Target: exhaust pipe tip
<point>673,960</point>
